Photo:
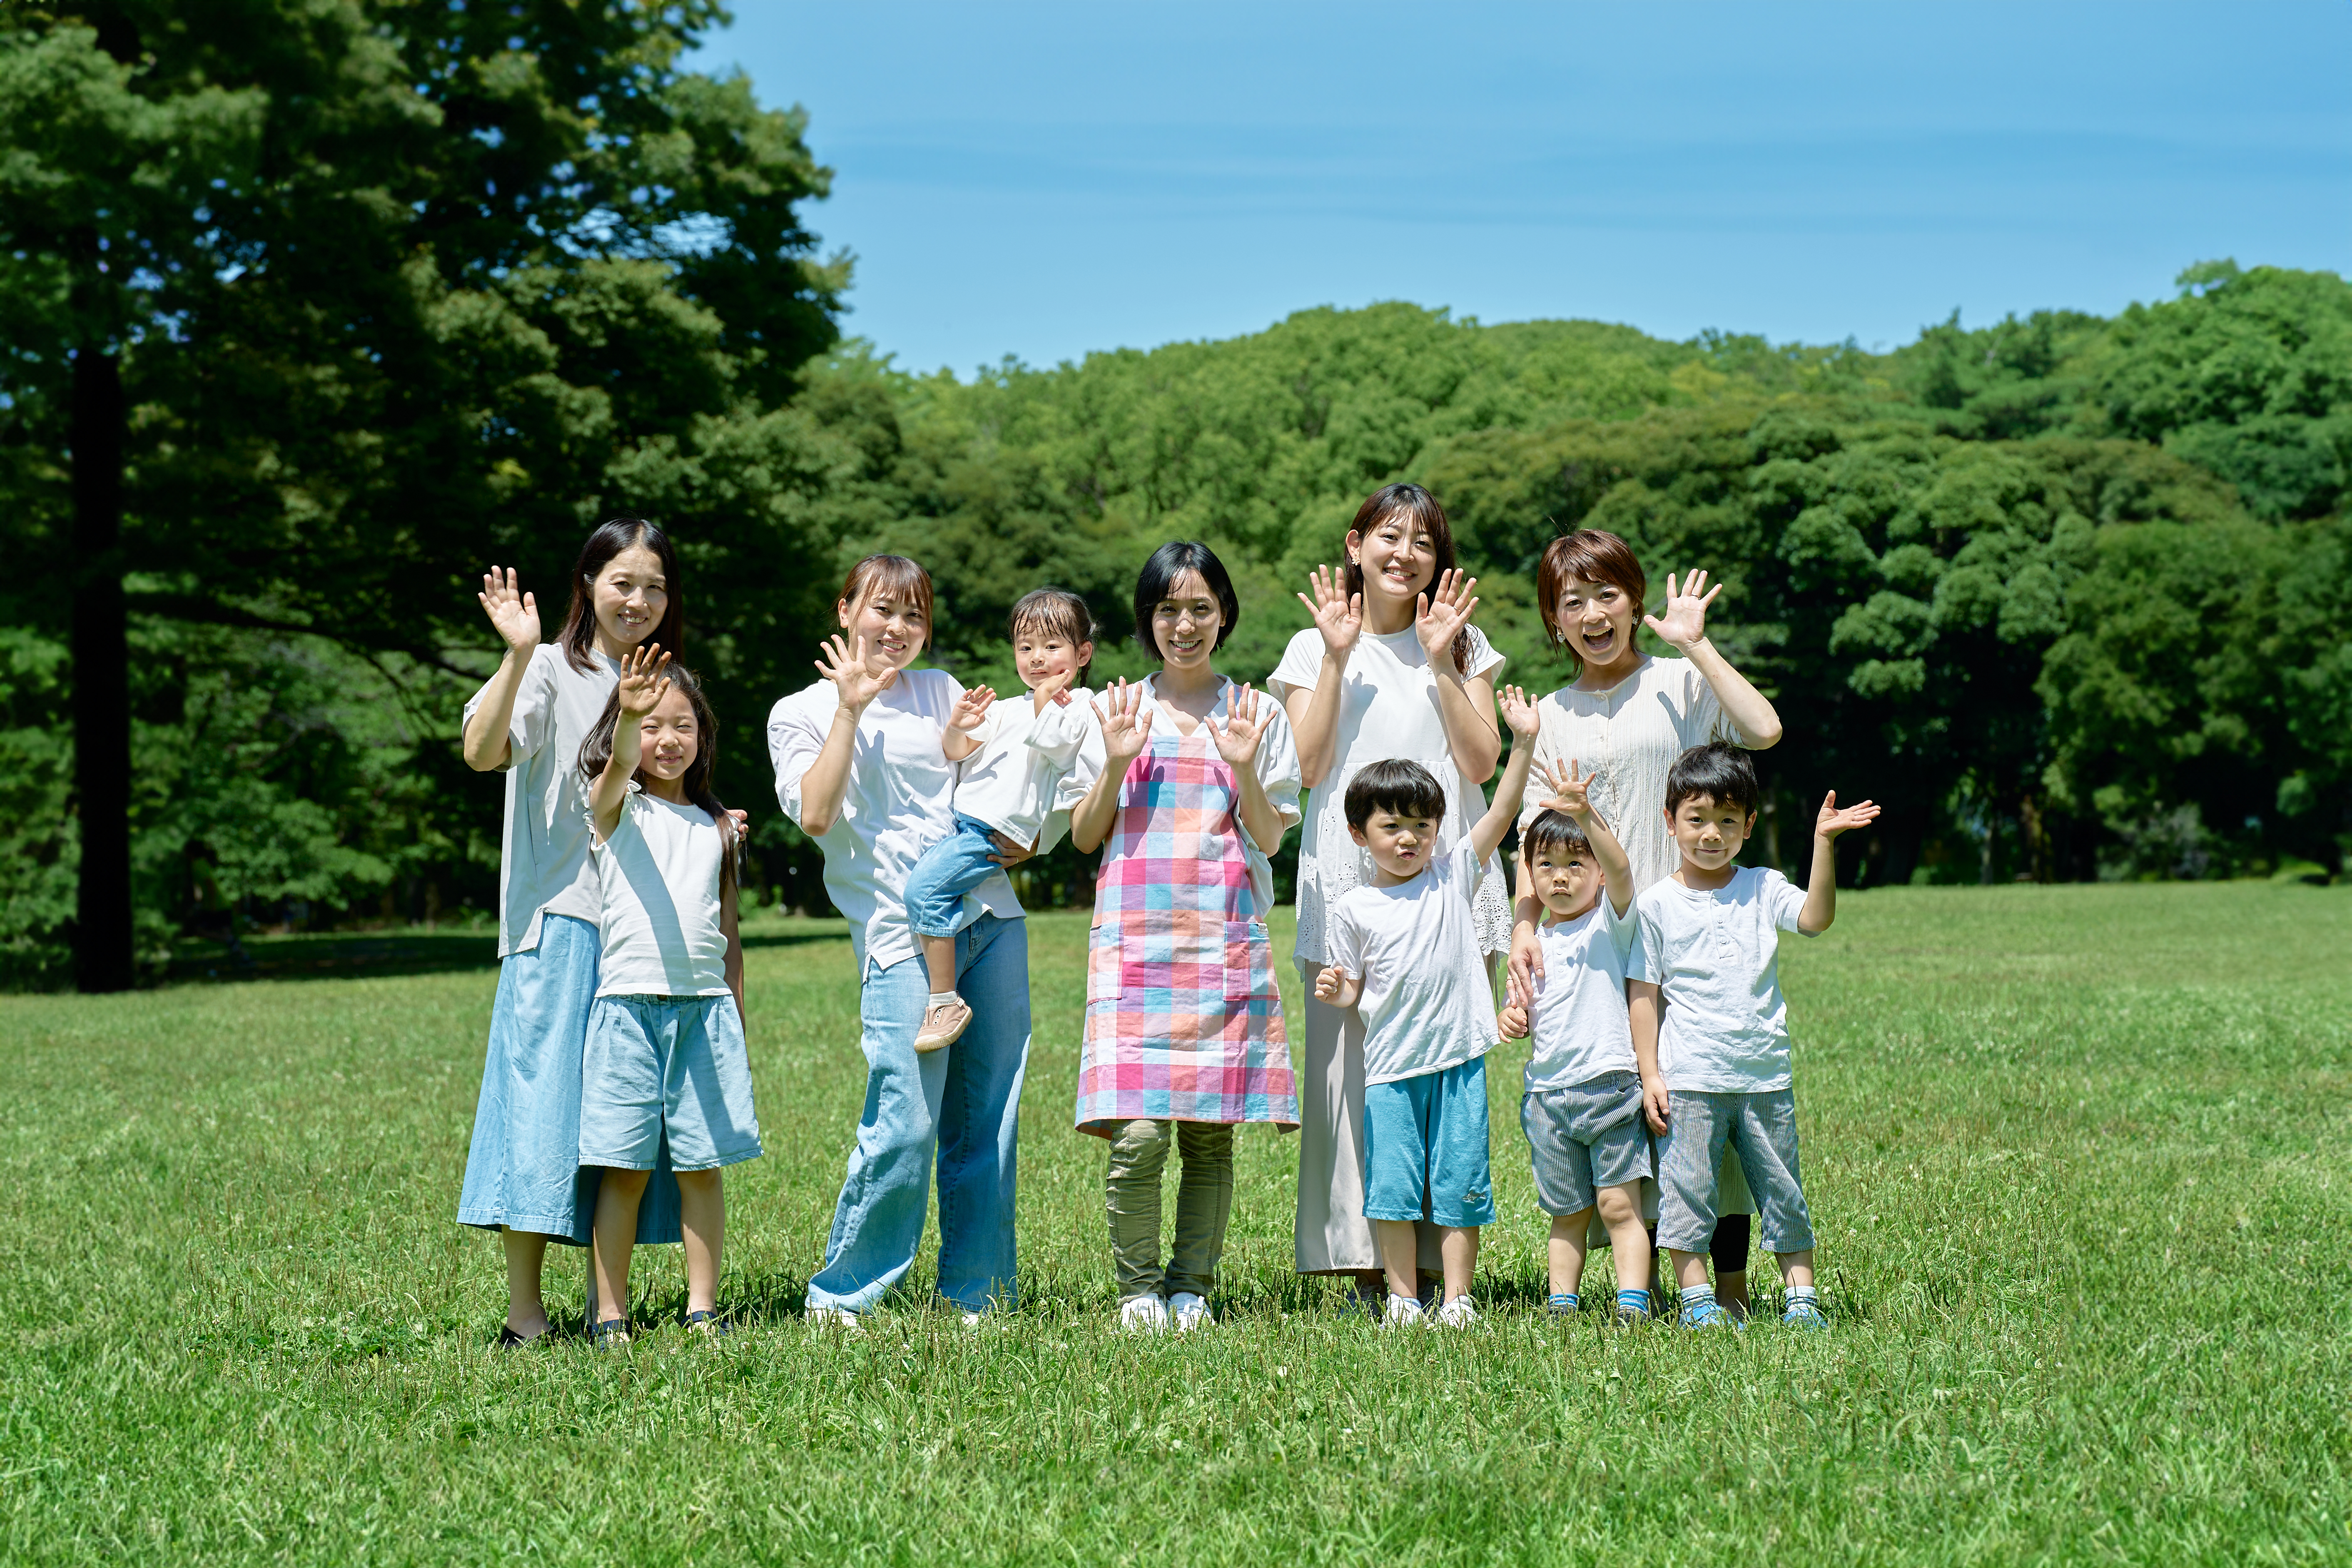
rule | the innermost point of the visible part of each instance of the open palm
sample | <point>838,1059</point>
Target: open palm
<point>1685,621</point>
<point>1246,717</point>
<point>855,681</point>
<point>514,613</point>
<point>1338,615</point>
<point>644,676</point>
<point>1440,615</point>
<point>1124,733</point>
<point>1835,819</point>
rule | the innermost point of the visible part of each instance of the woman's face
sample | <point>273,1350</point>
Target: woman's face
<point>1596,620</point>
<point>1184,623</point>
<point>1399,558</point>
<point>893,625</point>
<point>631,596</point>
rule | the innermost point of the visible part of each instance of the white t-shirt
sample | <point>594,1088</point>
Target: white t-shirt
<point>1019,782</point>
<point>1389,712</point>
<point>1581,1028</point>
<point>1630,736</point>
<point>658,878</point>
<point>899,801</point>
<point>1425,1003</point>
<point>1716,957</point>
<point>1277,768</point>
<point>543,859</point>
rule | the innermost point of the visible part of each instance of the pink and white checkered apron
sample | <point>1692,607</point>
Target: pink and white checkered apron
<point>1183,1022</point>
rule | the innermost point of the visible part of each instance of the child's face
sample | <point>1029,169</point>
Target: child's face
<point>1185,623</point>
<point>1401,843</point>
<point>630,595</point>
<point>1565,881</point>
<point>669,738</point>
<point>893,625</point>
<point>1709,835</point>
<point>1042,656</point>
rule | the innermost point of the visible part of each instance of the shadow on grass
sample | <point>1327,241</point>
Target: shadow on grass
<point>344,955</point>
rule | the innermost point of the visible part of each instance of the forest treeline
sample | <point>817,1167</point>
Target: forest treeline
<point>411,292</point>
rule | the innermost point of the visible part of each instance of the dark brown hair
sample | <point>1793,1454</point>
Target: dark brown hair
<point>614,535</point>
<point>1056,612</point>
<point>1553,833</point>
<point>893,575</point>
<point>1719,771</point>
<point>597,750</point>
<point>1420,510</point>
<point>1158,580</point>
<point>1406,788</point>
<point>1587,555</point>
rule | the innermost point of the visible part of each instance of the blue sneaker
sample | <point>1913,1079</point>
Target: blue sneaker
<point>1711,1315</point>
<point>1562,1304</point>
<point>1805,1315</point>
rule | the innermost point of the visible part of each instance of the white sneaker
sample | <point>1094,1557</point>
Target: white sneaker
<point>1190,1312</point>
<point>1458,1314</point>
<point>1144,1315</point>
<point>1403,1312</point>
<point>840,1317</point>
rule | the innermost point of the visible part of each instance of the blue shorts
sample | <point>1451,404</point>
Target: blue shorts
<point>672,1066</point>
<point>944,873</point>
<point>1426,1148</point>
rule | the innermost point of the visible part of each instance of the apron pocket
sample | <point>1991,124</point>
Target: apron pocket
<point>1249,962</point>
<point>1103,968</point>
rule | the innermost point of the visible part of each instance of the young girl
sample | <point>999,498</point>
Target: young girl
<point>1184,1035</point>
<point>522,1172</point>
<point>666,1059</point>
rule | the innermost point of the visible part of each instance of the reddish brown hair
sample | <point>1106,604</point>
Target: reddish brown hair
<point>893,575</point>
<point>1420,510</point>
<point>1587,555</point>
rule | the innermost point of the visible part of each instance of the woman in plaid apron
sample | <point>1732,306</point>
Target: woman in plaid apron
<point>1184,1035</point>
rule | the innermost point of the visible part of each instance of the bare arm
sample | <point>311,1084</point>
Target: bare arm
<point>1820,888</point>
<point>1466,706</point>
<point>1487,833</point>
<point>1572,796</point>
<point>1643,1005</point>
<point>1334,987</point>
<point>489,746</point>
<point>1684,627</point>
<point>1315,715</point>
<point>729,901</point>
<point>826,782</point>
<point>643,682</point>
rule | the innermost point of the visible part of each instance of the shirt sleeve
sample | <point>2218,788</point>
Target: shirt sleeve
<point>1061,729</point>
<point>1301,666</point>
<point>794,738</point>
<point>1704,718</point>
<point>1786,902</point>
<point>1466,870</point>
<point>1277,768</point>
<point>1484,660</point>
<point>1645,960</point>
<point>1343,942</point>
<point>1624,932</point>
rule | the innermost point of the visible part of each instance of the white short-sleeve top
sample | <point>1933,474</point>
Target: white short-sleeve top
<point>1424,1001</point>
<point>659,878</point>
<point>1629,736</point>
<point>544,866</point>
<point>1277,768</point>
<point>900,800</point>
<point>1390,713</point>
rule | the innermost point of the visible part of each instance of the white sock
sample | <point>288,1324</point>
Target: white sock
<point>941,998</point>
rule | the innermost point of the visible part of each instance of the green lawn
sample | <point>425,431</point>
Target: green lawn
<point>2078,1157</point>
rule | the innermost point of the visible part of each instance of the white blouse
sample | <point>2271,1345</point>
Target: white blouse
<point>1630,736</point>
<point>899,801</point>
<point>1276,767</point>
<point>1390,713</point>
<point>544,866</point>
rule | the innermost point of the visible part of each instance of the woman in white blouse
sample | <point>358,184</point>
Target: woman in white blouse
<point>1390,668</point>
<point>1624,720</point>
<point>860,767</point>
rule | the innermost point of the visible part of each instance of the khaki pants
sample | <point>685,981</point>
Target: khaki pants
<point>1204,1202</point>
<point>1331,1234</point>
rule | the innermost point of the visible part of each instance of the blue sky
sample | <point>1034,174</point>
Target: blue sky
<point>1040,180</point>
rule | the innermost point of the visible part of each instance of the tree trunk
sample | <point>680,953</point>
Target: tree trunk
<point>101,678</point>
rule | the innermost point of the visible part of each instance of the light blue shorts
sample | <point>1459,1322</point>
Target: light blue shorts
<point>1763,1127</point>
<point>1426,1148</point>
<point>667,1066</point>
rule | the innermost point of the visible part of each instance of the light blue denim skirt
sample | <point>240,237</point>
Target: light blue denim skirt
<point>523,1170</point>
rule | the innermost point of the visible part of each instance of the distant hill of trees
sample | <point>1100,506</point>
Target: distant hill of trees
<point>347,319</point>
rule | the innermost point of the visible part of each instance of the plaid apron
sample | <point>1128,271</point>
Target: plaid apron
<point>1183,1022</point>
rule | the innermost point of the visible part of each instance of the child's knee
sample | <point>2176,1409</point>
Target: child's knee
<point>626,1183</point>
<point>1618,1205</point>
<point>699,1181</point>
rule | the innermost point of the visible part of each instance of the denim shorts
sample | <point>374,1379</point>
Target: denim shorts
<point>1763,1127</point>
<point>943,874</point>
<point>666,1065</point>
<point>1583,1137</point>
<point>1426,1148</point>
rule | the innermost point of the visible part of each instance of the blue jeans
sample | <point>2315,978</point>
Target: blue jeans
<point>965,1100</point>
<point>944,873</point>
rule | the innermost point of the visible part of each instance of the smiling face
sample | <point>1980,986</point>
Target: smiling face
<point>1184,623</point>
<point>1398,557</point>
<point>1041,653</point>
<point>1401,842</point>
<point>1596,619</point>
<point>1566,881</point>
<point>1708,833</point>
<point>671,740</point>
<point>893,625</point>
<point>630,597</point>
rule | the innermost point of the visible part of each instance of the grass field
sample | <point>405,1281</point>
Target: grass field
<point>2081,1159</point>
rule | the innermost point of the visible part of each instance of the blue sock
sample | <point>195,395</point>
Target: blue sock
<point>1634,1301</point>
<point>1562,1302</point>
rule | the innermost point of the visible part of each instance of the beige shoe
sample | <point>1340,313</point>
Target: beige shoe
<point>943,1024</point>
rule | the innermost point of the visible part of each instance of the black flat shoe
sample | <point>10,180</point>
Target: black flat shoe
<point>510,1340</point>
<point>709,1324</point>
<point>610,1335</point>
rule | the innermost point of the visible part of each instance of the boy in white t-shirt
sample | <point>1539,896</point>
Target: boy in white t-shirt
<point>1023,771</point>
<point>1715,1068</point>
<point>1406,949</point>
<point>1582,1110</point>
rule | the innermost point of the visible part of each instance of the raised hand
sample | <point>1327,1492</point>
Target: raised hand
<point>1246,717</point>
<point>1570,794</point>
<point>1338,615</point>
<point>514,613</point>
<point>1685,621</point>
<point>856,681</point>
<point>1833,821</point>
<point>1124,736</point>
<point>1440,615</point>
<point>1053,689</point>
<point>971,708</point>
<point>645,678</point>
<point>1519,712</point>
